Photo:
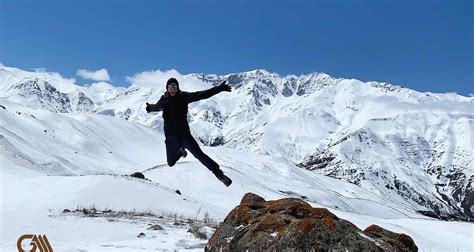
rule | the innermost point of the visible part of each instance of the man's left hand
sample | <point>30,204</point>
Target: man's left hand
<point>225,87</point>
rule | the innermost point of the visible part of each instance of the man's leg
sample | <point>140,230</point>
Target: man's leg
<point>173,152</point>
<point>191,144</point>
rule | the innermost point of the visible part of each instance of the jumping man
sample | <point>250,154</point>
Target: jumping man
<point>174,104</point>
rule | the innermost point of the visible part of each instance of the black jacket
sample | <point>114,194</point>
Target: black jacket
<point>175,108</point>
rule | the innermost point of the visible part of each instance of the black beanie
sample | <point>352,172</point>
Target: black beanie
<point>172,81</point>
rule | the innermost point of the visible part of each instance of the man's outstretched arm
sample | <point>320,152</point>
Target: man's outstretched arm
<point>199,95</point>
<point>155,107</point>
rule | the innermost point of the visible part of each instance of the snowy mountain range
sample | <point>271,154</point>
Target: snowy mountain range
<point>382,137</point>
<point>390,140</point>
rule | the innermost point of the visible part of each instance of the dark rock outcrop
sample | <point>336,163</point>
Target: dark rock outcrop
<point>138,175</point>
<point>293,225</point>
<point>155,227</point>
<point>394,239</point>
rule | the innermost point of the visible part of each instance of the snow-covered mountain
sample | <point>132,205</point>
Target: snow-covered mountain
<point>384,138</point>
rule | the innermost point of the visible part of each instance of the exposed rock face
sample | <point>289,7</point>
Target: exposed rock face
<point>292,224</point>
<point>38,93</point>
<point>138,175</point>
<point>394,239</point>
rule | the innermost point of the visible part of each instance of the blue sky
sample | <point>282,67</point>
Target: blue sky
<point>425,45</point>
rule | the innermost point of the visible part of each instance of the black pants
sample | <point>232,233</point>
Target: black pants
<point>175,142</point>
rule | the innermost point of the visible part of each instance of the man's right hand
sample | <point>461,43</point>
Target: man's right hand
<point>147,108</point>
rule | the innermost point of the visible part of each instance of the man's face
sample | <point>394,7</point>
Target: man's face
<point>172,89</point>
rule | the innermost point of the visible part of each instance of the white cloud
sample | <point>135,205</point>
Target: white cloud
<point>99,75</point>
<point>158,78</point>
<point>40,70</point>
<point>100,87</point>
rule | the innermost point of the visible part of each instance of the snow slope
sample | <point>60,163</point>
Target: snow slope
<point>68,144</point>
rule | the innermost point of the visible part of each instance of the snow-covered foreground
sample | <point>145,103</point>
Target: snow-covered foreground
<point>36,209</point>
<point>80,159</point>
<point>31,205</point>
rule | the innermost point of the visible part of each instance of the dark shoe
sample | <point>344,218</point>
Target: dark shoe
<point>184,153</point>
<point>226,180</point>
<point>223,178</point>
